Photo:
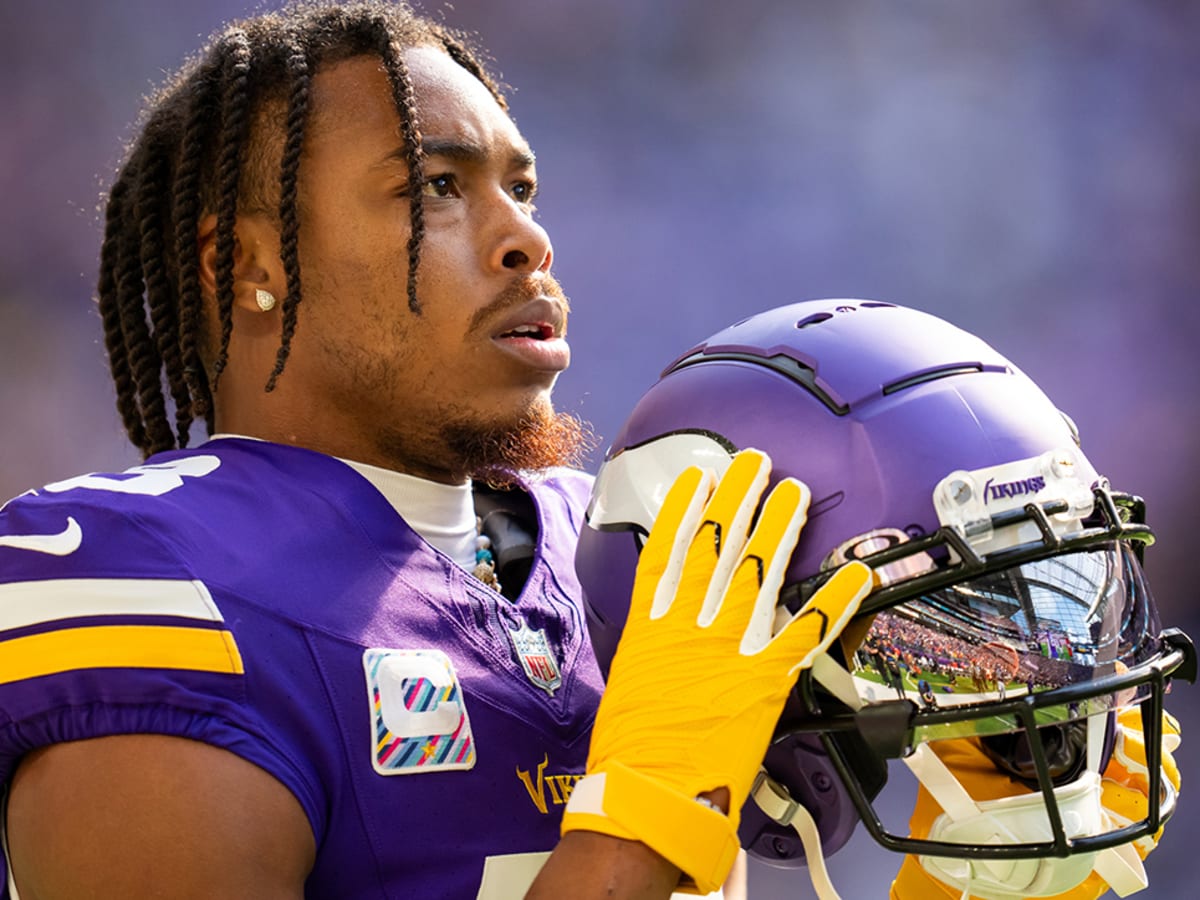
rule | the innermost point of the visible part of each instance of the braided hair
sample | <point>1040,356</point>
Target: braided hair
<point>204,149</point>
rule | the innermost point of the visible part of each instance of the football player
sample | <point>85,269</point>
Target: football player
<point>337,650</point>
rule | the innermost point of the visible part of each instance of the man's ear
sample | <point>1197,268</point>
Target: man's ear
<point>256,262</point>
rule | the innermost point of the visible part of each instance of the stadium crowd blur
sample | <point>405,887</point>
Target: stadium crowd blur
<point>1026,170</point>
<point>898,648</point>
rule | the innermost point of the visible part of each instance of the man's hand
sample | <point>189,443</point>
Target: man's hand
<point>701,673</point>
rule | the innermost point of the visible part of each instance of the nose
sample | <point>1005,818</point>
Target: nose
<point>522,246</point>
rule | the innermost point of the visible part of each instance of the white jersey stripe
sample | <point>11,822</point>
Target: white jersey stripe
<point>39,602</point>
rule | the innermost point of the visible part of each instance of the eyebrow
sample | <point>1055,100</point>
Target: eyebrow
<point>463,151</point>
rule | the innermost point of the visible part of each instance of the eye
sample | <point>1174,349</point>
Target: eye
<point>440,186</point>
<point>524,191</point>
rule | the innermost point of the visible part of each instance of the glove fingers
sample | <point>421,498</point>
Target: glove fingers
<point>721,534</point>
<point>661,561</point>
<point>1129,765</point>
<point>1171,770</point>
<point>1131,717</point>
<point>1171,726</point>
<point>823,617</point>
<point>761,566</point>
<point>1135,749</point>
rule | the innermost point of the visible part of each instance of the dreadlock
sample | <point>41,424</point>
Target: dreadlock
<point>201,151</point>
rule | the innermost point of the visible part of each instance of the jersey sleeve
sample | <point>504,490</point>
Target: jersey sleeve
<point>105,630</point>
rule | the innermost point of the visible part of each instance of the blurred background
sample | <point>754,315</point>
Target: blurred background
<point>1028,170</point>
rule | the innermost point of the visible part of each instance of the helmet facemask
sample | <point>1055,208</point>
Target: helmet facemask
<point>1080,639</point>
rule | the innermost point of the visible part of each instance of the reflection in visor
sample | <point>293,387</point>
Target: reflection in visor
<point>1030,628</point>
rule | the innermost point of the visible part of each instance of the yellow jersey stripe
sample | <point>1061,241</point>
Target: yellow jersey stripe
<point>119,646</point>
<point>37,602</point>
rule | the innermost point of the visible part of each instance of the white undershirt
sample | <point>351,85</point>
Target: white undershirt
<point>442,514</point>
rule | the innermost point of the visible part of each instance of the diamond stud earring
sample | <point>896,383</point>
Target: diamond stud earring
<point>264,299</point>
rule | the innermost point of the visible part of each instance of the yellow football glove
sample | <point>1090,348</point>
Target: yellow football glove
<point>1124,791</point>
<point>700,675</point>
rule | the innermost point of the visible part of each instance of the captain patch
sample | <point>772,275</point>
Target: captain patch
<point>418,717</point>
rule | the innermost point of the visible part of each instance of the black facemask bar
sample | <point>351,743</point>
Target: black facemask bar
<point>887,728</point>
<point>1116,517</point>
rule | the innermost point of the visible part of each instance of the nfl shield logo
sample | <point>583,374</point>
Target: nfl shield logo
<point>536,659</point>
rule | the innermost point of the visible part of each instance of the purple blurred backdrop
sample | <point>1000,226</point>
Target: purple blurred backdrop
<point>1029,170</point>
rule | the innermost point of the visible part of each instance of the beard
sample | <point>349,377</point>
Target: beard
<point>495,453</point>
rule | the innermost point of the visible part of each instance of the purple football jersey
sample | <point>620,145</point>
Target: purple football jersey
<point>270,601</point>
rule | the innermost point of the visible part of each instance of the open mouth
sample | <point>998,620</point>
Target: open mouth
<point>537,345</point>
<point>538,331</point>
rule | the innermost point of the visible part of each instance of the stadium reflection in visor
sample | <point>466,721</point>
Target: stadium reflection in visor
<point>1054,622</point>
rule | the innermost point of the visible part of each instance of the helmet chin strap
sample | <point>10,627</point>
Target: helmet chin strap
<point>1022,819</point>
<point>1019,819</point>
<point>774,800</point>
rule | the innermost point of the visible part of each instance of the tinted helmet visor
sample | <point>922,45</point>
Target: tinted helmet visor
<point>1034,627</point>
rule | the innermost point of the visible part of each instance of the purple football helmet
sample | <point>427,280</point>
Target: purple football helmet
<point>1009,605</point>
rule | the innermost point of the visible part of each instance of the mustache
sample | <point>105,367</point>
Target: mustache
<point>522,290</point>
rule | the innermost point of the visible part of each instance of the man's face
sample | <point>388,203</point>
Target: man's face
<point>487,345</point>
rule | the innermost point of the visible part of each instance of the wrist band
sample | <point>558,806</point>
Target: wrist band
<point>624,803</point>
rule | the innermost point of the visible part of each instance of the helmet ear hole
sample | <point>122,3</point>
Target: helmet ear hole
<point>819,789</point>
